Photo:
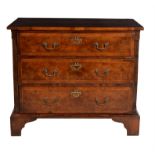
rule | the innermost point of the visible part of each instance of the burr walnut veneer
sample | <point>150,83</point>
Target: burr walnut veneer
<point>75,68</point>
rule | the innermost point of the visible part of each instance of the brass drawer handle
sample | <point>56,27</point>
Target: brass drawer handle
<point>46,101</point>
<point>104,74</point>
<point>76,66</point>
<point>105,101</point>
<point>102,46</point>
<point>76,93</point>
<point>54,45</point>
<point>51,74</point>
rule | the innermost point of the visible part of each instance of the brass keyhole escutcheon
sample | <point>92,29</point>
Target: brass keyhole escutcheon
<point>76,93</point>
<point>76,66</point>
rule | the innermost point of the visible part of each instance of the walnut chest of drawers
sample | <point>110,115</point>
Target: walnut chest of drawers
<point>75,68</point>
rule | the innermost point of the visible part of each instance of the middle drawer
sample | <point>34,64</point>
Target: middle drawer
<point>77,70</point>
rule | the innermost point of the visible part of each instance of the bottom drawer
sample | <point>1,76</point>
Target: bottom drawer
<point>42,99</point>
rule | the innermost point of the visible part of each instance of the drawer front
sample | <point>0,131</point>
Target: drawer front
<point>74,70</point>
<point>77,44</point>
<point>43,99</point>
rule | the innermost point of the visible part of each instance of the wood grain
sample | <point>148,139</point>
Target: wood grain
<point>77,44</point>
<point>90,100</point>
<point>65,71</point>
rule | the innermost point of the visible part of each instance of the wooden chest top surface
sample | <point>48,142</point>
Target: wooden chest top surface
<point>47,23</point>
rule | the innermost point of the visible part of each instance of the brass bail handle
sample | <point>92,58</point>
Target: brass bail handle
<point>105,101</point>
<point>47,101</point>
<point>50,74</point>
<point>105,72</point>
<point>53,46</point>
<point>102,46</point>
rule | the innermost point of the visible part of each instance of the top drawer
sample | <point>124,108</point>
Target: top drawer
<point>76,44</point>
